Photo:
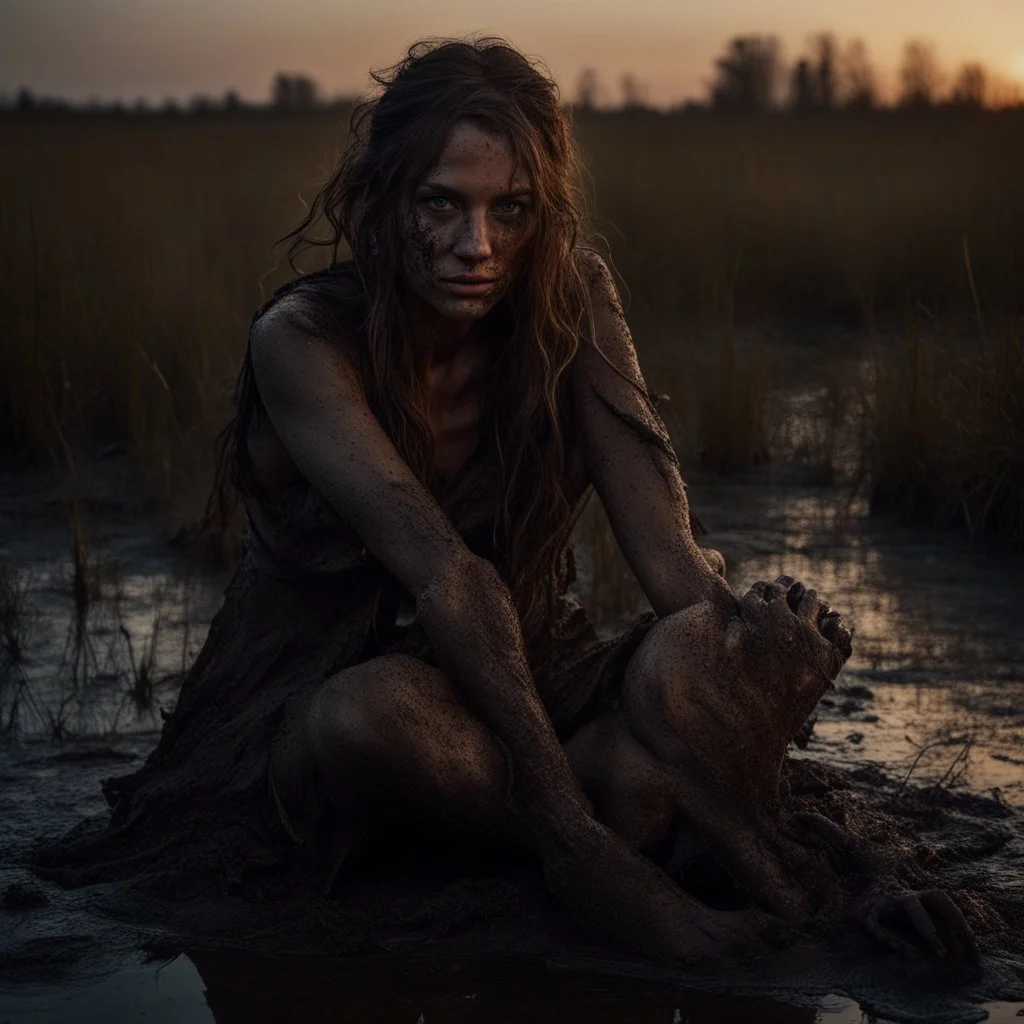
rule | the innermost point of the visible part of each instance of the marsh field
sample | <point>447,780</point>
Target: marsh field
<point>834,305</point>
<point>135,249</point>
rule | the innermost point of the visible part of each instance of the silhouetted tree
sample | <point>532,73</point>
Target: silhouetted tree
<point>801,88</point>
<point>25,100</point>
<point>588,86</point>
<point>825,72</point>
<point>293,92</point>
<point>919,75</point>
<point>232,101</point>
<point>856,76</point>
<point>747,74</point>
<point>813,80</point>
<point>634,92</point>
<point>971,86</point>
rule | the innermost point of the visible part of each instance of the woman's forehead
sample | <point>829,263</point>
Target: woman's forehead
<point>476,155</point>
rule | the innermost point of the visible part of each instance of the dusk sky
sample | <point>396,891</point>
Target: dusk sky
<point>157,48</point>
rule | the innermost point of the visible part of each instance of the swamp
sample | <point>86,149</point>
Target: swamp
<point>832,306</point>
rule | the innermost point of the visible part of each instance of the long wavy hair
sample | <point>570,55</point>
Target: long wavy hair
<point>538,327</point>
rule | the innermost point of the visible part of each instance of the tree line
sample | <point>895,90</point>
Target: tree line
<point>750,76</point>
<point>289,93</point>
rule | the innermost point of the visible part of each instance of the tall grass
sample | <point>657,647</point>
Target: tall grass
<point>851,216</point>
<point>132,256</point>
<point>949,430</point>
<point>133,251</point>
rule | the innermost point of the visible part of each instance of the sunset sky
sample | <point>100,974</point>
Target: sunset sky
<point>157,48</point>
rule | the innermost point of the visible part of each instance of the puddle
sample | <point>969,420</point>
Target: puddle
<point>230,991</point>
<point>938,651</point>
<point>105,657</point>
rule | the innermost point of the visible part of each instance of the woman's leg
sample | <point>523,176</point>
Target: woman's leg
<point>631,791</point>
<point>689,742</point>
<point>391,737</point>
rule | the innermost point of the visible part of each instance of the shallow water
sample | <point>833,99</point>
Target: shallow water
<point>938,657</point>
<point>934,692</point>
<point>174,992</point>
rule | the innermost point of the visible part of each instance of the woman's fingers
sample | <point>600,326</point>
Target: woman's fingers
<point>954,931</point>
<point>927,924</point>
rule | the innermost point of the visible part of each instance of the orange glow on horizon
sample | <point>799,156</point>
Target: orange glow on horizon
<point>123,49</point>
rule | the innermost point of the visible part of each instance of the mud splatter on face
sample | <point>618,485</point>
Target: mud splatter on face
<point>468,225</point>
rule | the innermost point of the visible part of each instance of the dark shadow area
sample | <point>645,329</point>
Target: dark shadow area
<point>243,990</point>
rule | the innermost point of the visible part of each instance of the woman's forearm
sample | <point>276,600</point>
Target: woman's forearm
<point>471,621</point>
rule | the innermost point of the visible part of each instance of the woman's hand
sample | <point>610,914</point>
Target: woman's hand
<point>924,925</point>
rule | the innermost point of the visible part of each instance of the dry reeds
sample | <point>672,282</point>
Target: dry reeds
<point>948,437</point>
<point>133,252</point>
<point>132,256</point>
<point>729,218</point>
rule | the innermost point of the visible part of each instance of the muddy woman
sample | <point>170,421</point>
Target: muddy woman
<point>416,429</point>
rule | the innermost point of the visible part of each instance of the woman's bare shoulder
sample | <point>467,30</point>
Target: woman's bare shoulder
<point>291,311</point>
<point>609,348</point>
<point>321,304</point>
<point>596,273</point>
<point>296,331</point>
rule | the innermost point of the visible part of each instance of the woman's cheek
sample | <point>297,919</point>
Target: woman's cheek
<point>513,240</point>
<point>423,245</point>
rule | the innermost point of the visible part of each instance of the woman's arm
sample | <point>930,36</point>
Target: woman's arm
<point>630,461</point>
<point>319,410</point>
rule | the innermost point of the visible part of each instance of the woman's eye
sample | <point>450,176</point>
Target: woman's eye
<point>438,202</point>
<point>509,206</point>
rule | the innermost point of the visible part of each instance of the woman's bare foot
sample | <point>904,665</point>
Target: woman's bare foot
<point>626,898</point>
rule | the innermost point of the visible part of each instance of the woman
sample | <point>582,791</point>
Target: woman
<point>415,431</point>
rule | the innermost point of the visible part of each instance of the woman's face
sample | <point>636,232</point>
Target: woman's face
<point>468,225</point>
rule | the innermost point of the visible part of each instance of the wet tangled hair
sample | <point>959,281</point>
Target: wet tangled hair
<point>538,327</point>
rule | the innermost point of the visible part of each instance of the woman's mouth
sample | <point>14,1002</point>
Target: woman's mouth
<point>468,285</point>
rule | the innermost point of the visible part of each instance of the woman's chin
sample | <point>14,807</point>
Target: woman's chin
<point>463,309</point>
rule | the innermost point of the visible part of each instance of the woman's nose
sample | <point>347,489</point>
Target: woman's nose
<point>474,241</point>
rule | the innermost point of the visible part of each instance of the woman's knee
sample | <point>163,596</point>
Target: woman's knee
<point>378,701</point>
<point>401,718</point>
<point>662,683</point>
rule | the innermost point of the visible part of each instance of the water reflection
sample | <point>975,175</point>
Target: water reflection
<point>100,651</point>
<point>226,989</point>
<point>938,662</point>
<point>238,990</point>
